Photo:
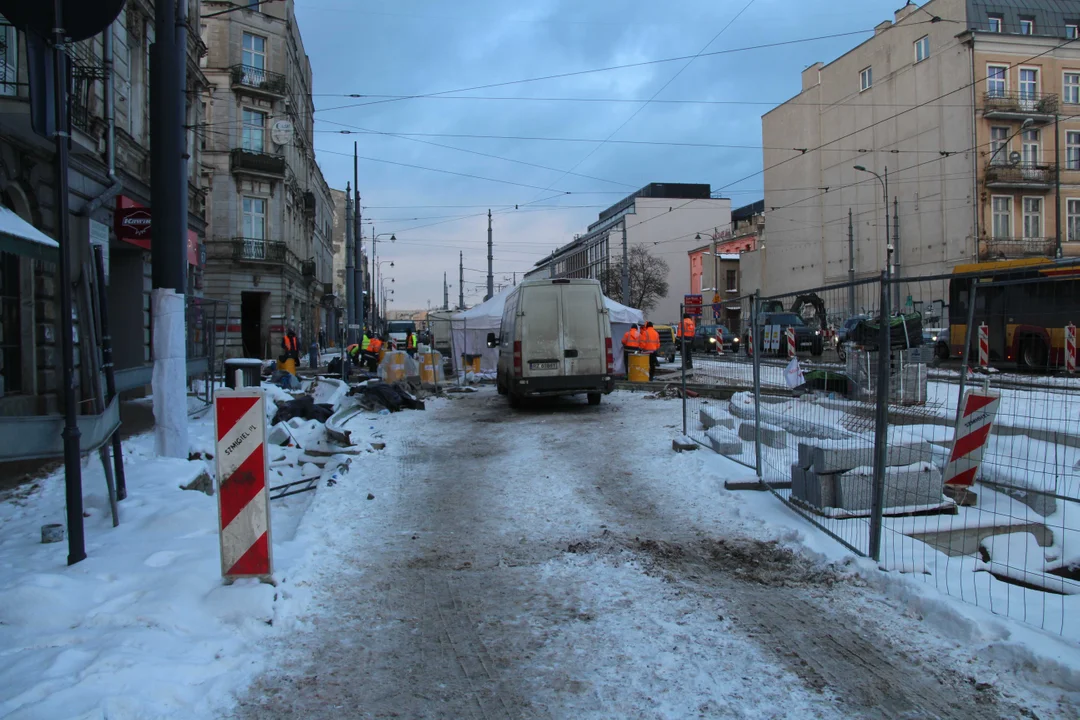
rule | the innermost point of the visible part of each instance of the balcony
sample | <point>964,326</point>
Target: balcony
<point>258,163</point>
<point>1012,248</point>
<point>1021,176</point>
<point>260,80</point>
<point>309,203</point>
<point>241,249</point>
<point>1019,106</point>
<point>307,268</point>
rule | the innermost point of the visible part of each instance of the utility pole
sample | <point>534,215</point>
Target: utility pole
<point>490,277</point>
<point>168,200</point>
<point>358,248</point>
<point>851,263</point>
<point>896,254</point>
<point>715,272</point>
<point>350,292</point>
<point>625,267</point>
<point>461,281</point>
<point>515,278</point>
<point>445,294</point>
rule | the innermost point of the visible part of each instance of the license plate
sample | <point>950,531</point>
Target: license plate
<point>544,365</point>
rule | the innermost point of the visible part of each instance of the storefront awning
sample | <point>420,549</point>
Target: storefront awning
<point>21,238</point>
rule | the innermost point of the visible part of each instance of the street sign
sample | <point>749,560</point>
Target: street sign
<point>692,305</point>
<point>972,431</point>
<point>243,503</point>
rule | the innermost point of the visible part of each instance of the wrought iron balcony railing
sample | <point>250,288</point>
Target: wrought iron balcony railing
<point>1021,175</point>
<point>259,79</point>
<point>1008,104</point>
<point>257,162</point>
<point>1010,248</point>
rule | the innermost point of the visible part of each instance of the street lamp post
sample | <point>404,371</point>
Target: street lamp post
<point>888,246</point>
<point>374,249</point>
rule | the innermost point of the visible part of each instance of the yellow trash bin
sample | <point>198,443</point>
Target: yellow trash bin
<point>639,367</point>
<point>289,366</point>
<point>471,363</point>
<point>393,367</point>
<point>428,364</point>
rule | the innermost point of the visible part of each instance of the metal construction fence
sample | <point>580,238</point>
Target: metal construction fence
<point>944,441</point>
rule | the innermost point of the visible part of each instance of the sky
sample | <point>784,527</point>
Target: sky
<point>555,151</point>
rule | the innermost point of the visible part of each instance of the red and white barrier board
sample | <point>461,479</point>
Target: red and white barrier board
<point>790,341</point>
<point>1070,348</point>
<point>972,432</point>
<point>984,346</point>
<point>243,500</point>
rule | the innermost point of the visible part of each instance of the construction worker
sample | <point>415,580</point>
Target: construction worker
<point>290,358</point>
<point>631,343</point>
<point>373,353</point>
<point>410,344</point>
<point>686,330</point>
<point>650,343</point>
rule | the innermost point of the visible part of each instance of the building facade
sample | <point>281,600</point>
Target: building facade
<point>270,255</point>
<point>666,219</point>
<point>109,201</point>
<point>958,106</point>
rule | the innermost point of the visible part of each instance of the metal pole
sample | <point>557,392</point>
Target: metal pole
<point>461,281</point>
<point>107,367</point>
<point>972,291</point>
<point>168,256</point>
<point>71,433</point>
<point>881,423</point>
<point>897,305</point>
<point>888,245</point>
<point>350,279</point>
<point>715,270</point>
<point>445,293</point>
<point>851,262</point>
<point>625,267</point>
<point>682,352</point>
<point>490,277</point>
<point>358,242</point>
<point>755,343</point>
<point>1057,186</point>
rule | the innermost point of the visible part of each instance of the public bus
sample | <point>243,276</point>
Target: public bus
<point>1025,304</point>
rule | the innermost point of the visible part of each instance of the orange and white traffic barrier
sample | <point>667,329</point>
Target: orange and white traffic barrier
<point>791,341</point>
<point>984,346</point>
<point>243,500</point>
<point>972,432</point>
<point>1070,348</point>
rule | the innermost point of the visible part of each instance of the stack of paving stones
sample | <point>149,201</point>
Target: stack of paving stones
<point>831,475</point>
<point>719,427</point>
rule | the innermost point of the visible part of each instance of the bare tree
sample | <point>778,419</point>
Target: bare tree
<point>648,279</point>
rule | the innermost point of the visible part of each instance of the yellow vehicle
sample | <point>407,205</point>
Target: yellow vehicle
<point>669,344</point>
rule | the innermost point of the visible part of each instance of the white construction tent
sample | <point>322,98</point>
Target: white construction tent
<point>470,328</point>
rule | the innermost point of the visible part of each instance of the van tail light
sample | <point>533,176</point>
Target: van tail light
<point>517,357</point>
<point>610,357</point>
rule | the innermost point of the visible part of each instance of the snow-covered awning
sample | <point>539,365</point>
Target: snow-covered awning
<point>21,238</point>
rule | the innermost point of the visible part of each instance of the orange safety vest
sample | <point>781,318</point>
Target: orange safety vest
<point>686,328</point>
<point>353,350</point>
<point>631,339</point>
<point>290,343</point>
<point>650,340</point>
<point>375,346</point>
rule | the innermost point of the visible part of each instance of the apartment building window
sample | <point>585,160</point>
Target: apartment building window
<point>1029,85</point>
<point>994,23</point>
<point>1072,210</point>
<point>996,80</point>
<point>1001,227</point>
<point>254,54</point>
<point>922,48</point>
<point>1072,30</point>
<point>254,131</point>
<point>866,78</point>
<point>999,151</point>
<point>1070,83</point>
<point>10,325</point>
<point>1027,26</point>
<point>1032,217</point>
<point>733,281</point>
<point>1032,153</point>
<point>9,57</point>
<point>254,218</point>
<point>1072,151</point>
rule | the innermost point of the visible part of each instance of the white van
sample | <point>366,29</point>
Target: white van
<point>555,340</point>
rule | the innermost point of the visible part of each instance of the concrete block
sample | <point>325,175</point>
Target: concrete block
<point>683,444</point>
<point>905,486</point>
<point>820,489</point>
<point>278,435</point>
<point>724,441</point>
<point>806,455</point>
<point>798,482</point>
<point>848,457</point>
<point>711,416</point>
<point>771,436</point>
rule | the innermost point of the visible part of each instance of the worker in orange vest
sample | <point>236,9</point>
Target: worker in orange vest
<point>686,330</point>
<point>650,343</point>
<point>372,355</point>
<point>631,343</point>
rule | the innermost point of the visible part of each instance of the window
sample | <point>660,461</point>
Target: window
<point>254,55</point>
<point>254,218</point>
<point>922,48</point>
<point>733,281</point>
<point>999,150</point>
<point>866,78</point>
<point>995,22</point>
<point>996,80</point>
<point>10,329</point>
<point>1072,151</point>
<point>1072,209</point>
<point>1032,154</point>
<point>1071,84</point>
<point>1027,26</point>
<point>1072,31</point>
<point>254,130</point>
<point>1032,217</point>
<point>1029,86</point>
<point>1002,210</point>
<point>9,57</point>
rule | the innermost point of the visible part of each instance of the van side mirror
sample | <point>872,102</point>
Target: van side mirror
<point>492,341</point>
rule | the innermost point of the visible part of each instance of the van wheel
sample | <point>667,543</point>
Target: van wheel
<point>499,387</point>
<point>594,398</point>
<point>1033,353</point>
<point>515,400</point>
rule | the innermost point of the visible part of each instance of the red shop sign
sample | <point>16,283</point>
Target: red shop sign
<point>131,222</point>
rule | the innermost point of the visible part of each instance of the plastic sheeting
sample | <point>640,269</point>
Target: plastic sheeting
<point>170,374</point>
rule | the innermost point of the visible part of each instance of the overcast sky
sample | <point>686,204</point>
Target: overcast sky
<point>415,47</point>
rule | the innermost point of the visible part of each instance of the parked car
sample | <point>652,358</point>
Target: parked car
<point>712,338</point>
<point>555,340</point>
<point>805,337</point>
<point>937,339</point>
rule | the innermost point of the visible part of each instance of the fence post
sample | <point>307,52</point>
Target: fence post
<point>755,333</point>
<point>682,358</point>
<point>967,347</point>
<point>881,422</point>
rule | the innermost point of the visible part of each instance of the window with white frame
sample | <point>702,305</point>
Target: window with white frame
<point>254,211</point>
<point>922,48</point>
<point>1070,83</point>
<point>1072,30</point>
<point>866,78</point>
<point>997,80</point>
<point>1001,227</point>
<point>1072,211</point>
<point>254,130</point>
<point>1029,84</point>
<point>1072,150</point>
<point>254,51</point>
<point>994,23</point>
<point>1032,150</point>
<point>1027,26</point>
<point>999,141</point>
<point>1033,207</point>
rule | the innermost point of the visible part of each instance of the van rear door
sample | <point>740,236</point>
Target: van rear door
<point>541,334</point>
<point>584,351</point>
